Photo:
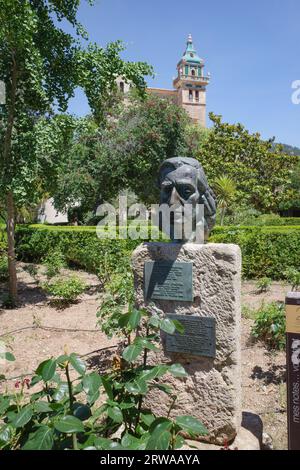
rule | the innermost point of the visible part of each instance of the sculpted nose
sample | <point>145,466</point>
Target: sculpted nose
<point>174,199</point>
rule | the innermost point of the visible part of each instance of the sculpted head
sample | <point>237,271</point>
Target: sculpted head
<point>182,181</point>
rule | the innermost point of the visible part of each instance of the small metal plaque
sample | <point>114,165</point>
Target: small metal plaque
<point>198,339</point>
<point>167,280</point>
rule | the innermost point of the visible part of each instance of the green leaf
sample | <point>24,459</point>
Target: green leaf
<point>62,359</point>
<point>61,391</point>
<point>78,364</point>
<point>154,372</point>
<point>4,405</point>
<point>35,379</point>
<point>42,439</point>
<point>46,369</point>
<point>137,387</point>
<point>179,442</point>
<point>177,370</point>
<point>130,442</point>
<point>107,387</point>
<point>6,434</point>
<point>107,444</point>
<point>115,414</point>
<point>42,407</point>
<point>179,326</point>
<point>134,318</point>
<point>154,321</point>
<point>131,352</point>
<point>123,320</point>
<point>167,325</point>
<point>147,418</point>
<point>191,425</point>
<point>23,417</point>
<point>91,384</point>
<point>8,356</point>
<point>69,425</point>
<point>160,435</point>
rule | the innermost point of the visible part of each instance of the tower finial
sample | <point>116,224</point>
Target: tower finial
<point>190,39</point>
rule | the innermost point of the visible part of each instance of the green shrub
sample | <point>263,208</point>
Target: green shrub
<point>292,276</point>
<point>266,251</point>
<point>269,325</point>
<point>263,284</point>
<point>3,268</point>
<point>66,290</point>
<point>54,262</point>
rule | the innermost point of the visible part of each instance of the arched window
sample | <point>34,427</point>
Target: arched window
<point>190,95</point>
<point>193,72</point>
<point>122,87</point>
<point>197,95</point>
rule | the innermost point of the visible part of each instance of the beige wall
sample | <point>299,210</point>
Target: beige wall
<point>195,109</point>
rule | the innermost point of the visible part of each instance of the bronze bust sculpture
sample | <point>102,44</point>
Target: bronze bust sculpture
<point>183,187</point>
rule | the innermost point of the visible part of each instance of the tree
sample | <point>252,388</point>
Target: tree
<point>225,189</point>
<point>41,65</point>
<point>124,154</point>
<point>262,173</point>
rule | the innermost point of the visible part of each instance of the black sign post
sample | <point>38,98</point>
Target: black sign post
<point>292,303</point>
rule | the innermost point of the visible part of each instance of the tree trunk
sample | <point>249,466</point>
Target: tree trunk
<point>10,228</point>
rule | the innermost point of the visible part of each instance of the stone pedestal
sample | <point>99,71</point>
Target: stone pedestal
<point>212,390</point>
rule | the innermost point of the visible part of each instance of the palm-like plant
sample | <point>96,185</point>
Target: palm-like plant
<point>225,189</point>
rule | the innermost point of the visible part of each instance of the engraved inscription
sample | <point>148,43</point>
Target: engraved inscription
<point>198,339</point>
<point>168,280</point>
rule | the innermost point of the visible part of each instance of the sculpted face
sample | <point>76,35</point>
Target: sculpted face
<point>179,187</point>
<point>184,188</point>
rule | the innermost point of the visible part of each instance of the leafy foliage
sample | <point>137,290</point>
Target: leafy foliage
<point>225,189</point>
<point>261,172</point>
<point>269,325</point>
<point>67,290</point>
<point>266,251</point>
<point>54,262</point>
<point>263,284</point>
<point>3,268</point>
<point>64,413</point>
<point>292,276</point>
<point>126,153</point>
<point>41,65</point>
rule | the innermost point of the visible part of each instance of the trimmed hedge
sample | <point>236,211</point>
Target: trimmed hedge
<point>267,251</point>
<point>80,247</point>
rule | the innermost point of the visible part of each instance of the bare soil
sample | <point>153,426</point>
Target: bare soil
<point>37,330</point>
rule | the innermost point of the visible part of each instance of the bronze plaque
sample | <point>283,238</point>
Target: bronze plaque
<point>198,339</point>
<point>167,280</point>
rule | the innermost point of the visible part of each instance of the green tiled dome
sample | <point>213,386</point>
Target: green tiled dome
<point>190,54</point>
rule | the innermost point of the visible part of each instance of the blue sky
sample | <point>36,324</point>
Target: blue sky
<point>251,48</point>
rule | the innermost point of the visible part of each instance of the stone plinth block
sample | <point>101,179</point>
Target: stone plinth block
<point>212,390</point>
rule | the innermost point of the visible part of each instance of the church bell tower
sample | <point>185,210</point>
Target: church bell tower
<point>191,84</point>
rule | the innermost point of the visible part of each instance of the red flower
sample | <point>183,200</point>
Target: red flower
<point>17,384</point>
<point>26,382</point>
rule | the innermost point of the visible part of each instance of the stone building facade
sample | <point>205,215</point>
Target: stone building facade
<point>189,90</point>
<point>189,86</point>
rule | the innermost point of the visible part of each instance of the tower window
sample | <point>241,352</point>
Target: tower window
<point>193,72</point>
<point>197,95</point>
<point>190,95</point>
<point>122,87</point>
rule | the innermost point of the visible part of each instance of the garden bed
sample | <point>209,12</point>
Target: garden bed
<point>37,331</point>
